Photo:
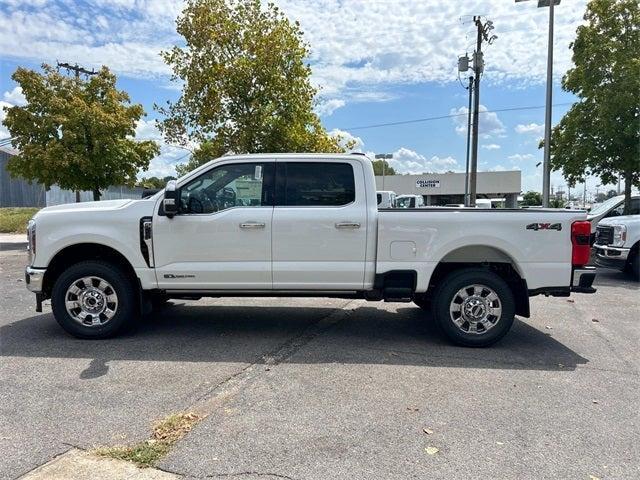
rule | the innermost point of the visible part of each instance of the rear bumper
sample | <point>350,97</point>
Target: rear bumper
<point>582,280</point>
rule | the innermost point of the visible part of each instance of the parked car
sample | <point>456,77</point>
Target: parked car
<point>617,242</point>
<point>614,207</point>
<point>300,225</point>
<point>386,199</point>
<point>409,201</point>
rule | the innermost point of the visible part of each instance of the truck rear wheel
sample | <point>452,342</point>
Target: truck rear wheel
<point>474,307</point>
<point>93,299</point>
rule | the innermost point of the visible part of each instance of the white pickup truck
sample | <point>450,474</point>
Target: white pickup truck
<point>300,225</point>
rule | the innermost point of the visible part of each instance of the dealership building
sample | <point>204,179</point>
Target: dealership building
<point>444,188</point>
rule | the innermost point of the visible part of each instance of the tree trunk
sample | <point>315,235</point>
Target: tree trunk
<point>628,181</point>
<point>96,194</point>
<point>77,196</point>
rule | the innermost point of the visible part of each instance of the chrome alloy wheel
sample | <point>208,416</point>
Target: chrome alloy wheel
<point>91,301</point>
<point>475,309</point>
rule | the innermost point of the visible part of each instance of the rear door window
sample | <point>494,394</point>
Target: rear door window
<point>315,184</point>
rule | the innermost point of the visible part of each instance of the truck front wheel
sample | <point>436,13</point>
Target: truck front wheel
<point>93,299</point>
<point>474,307</point>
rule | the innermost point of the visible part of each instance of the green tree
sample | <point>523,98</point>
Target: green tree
<point>378,167</point>
<point>245,84</point>
<point>153,182</point>
<point>532,199</point>
<point>612,193</point>
<point>600,134</point>
<point>75,133</point>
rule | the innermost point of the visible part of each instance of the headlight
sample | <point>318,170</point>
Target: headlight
<point>31,240</point>
<point>619,235</point>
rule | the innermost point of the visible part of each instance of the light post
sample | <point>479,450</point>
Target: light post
<point>384,157</point>
<point>546,174</point>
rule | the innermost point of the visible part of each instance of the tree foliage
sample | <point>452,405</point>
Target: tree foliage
<point>600,134</point>
<point>532,199</point>
<point>378,168</point>
<point>76,133</point>
<point>246,86</point>
<point>153,182</point>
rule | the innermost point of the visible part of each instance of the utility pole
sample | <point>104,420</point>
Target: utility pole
<point>384,157</point>
<point>478,68</point>
<point>466,177</point>
<point>78,70</point>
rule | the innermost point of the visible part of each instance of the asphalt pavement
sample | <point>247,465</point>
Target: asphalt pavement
<point>328,388</point>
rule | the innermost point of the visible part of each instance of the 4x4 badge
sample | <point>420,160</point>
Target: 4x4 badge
<point>544,226</point>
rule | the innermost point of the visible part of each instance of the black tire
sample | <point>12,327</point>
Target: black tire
<point>633,264</point>
<point>422,301</point>
<point>121,284</point>
<point>447,293</point>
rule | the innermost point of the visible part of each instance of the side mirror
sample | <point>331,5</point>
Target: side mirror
<point>170,202</point>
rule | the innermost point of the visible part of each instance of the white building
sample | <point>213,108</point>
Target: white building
<point>444,188</point>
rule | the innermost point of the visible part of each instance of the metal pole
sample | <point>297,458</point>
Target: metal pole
<point>383,172</point>
<point>476,107</point>
<point>466,177</point>
<point>546,175</point>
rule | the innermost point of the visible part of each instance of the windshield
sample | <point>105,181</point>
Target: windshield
<point>604,207</point>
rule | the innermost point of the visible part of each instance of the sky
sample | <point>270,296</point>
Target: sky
<point>374,62</point>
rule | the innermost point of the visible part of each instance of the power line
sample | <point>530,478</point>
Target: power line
<point>452,115</point>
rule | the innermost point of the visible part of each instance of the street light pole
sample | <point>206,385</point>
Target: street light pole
<point>546,169</point>
<point>546,178</point>
<point>384,157</point>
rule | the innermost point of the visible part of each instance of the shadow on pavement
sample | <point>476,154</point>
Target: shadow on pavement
<point>367,335</point>
<point>608,277</point>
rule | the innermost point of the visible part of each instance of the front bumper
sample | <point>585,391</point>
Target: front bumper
<point>611,257</point>
<point>34,278</point>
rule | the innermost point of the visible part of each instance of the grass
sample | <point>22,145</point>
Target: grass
<point>14,220</point>
<point>165,433</point>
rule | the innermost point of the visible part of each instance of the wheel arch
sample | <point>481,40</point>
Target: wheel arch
<point>493,259</point>
<point>79,252</point>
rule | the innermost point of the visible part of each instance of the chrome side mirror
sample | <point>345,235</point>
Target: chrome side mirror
<point>170,202</point>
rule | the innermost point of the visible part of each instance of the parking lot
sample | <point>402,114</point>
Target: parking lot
<point>332,389</point>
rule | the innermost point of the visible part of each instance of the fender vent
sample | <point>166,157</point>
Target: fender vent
<point>146,240</point>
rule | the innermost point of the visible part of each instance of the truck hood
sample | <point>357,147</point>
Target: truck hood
<point>620,220</point>
<point>86,206</point>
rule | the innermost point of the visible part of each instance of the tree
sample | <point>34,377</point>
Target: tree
<point>612,193</point>
<point>600,134</point>
<point>378,168</point>
<point>532,199</point>
<point>557,202</point>
<point>75,133</point>
<point>246,86</point>
<point>153,182</point>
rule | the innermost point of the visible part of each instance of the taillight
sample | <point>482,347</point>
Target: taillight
<point>581,251</point>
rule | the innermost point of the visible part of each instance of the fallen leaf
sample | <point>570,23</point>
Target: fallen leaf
<point>432,450</point>
<point>428,431</point>
<point>413,409</point>
<point>595,401</point>
<point>499,443</point>
<point>548,327</point>
<point>595,320</point>
<point>571,301</point>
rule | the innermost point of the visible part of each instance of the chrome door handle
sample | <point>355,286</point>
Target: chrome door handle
<point>347,225</point>
<point>252,225</point>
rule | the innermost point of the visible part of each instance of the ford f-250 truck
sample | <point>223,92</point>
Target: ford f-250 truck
<point>300,225</point>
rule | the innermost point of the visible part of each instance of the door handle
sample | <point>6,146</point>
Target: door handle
<point>347,225</point>
<point>252,225</point>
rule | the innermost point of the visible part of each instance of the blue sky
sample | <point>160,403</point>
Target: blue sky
<point>374,62</point>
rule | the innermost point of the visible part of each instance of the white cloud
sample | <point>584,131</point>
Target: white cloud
<point>491,146</point>
<point>497,168</point>
<point>170,155</point>
<point>520,157</point>
<point>411,42</point>
<point>326,108</point>
<point>489,123</point>
<point>346,137</point>
<point>530,129</point>
<point>15,96</point>
<point>406,160</point>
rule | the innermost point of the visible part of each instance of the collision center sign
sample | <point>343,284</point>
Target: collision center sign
<point>427,183</point>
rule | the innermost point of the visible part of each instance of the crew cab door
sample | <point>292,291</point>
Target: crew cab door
<point>319,225</point>
<point>221,237</point>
